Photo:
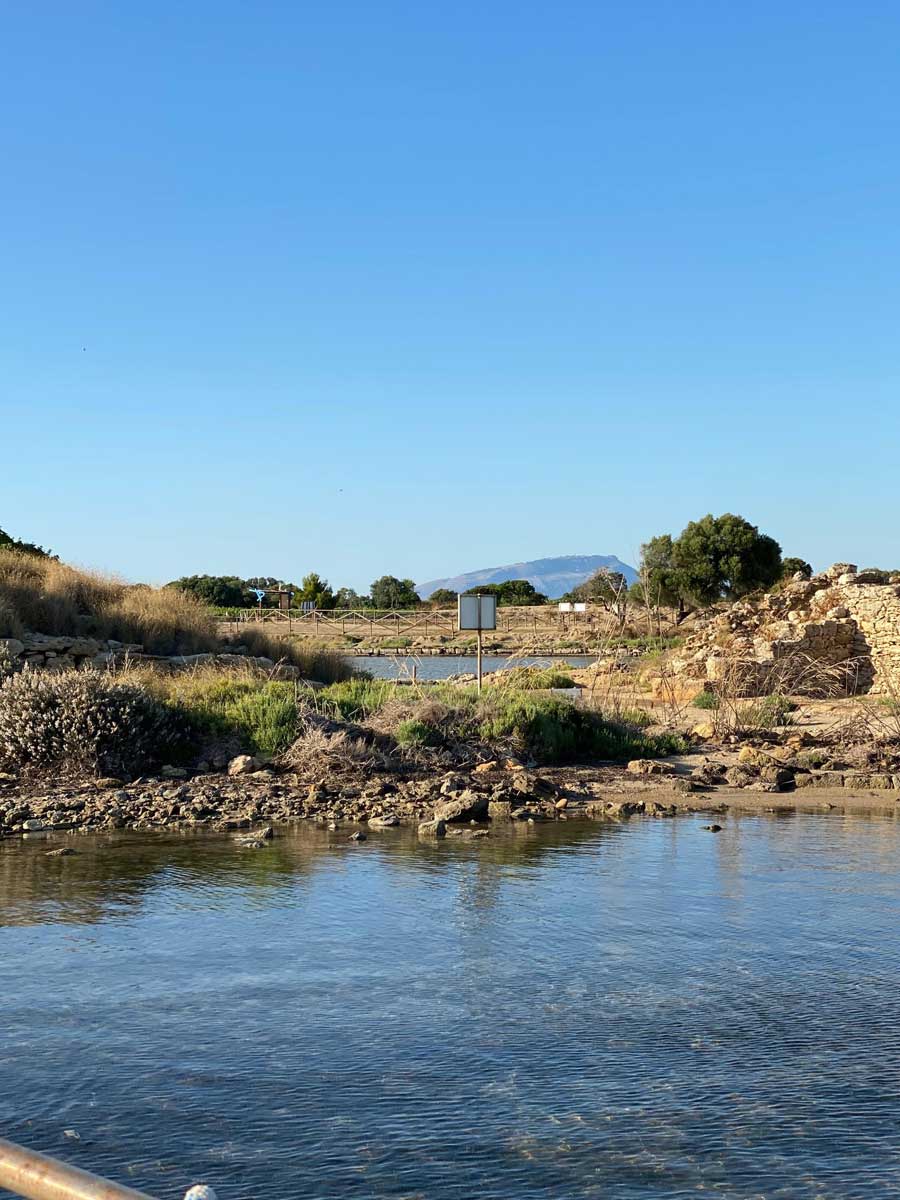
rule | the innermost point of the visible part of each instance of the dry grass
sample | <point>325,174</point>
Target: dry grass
<point>44,596</point>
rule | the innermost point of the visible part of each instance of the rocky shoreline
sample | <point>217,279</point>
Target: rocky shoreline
<point>249,798</point>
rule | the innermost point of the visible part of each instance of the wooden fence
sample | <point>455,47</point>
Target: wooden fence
<point>421,622</point>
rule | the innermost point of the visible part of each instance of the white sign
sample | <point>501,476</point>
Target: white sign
<point>579,608</point>
<point>565,607</point>
<point>478,612</point>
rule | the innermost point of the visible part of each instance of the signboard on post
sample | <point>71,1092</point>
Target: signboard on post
<point>478,613</point>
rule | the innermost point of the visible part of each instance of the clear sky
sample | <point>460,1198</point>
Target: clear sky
<point>416,288</point>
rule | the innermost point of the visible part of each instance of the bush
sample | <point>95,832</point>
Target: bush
<point>356,698</point>
<point>535,678</point>
<point>551,729</point>
<point>261,711</point>
<point>706,700</point>
<point>766,713</point>
<point>83,722</point>
<point>413,732</point>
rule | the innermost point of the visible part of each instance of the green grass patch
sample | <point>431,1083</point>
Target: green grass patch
<point>767,713</point>
<point>355,699</point>
<point>706,700</point>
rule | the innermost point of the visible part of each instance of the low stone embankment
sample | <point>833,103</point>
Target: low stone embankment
<point>48,652</point>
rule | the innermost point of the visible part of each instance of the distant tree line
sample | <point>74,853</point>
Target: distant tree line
<point>229,591</point>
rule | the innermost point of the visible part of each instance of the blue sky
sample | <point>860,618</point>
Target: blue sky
<point>415,288</point>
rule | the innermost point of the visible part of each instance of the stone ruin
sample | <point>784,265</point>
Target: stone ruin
<point>836,633</point>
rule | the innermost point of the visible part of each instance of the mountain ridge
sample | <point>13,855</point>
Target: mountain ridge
<point>552,576</point>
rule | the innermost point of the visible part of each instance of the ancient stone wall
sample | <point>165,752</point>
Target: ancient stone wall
<point>837,631</point>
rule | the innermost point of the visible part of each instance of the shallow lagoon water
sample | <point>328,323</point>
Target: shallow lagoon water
<point>578,1010</point>
<point>441,666</point>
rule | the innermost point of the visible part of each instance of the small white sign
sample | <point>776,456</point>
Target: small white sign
<point>579,607</point>
<point>478,612</point>
<point>564,606</point>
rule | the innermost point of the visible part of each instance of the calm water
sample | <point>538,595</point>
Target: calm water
<point>646,1010</point>
<point>436,666</point>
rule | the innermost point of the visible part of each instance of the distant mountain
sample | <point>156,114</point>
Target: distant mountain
<point>552,576</point>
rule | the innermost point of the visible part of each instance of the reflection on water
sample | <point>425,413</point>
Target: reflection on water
<point>644,1010</point>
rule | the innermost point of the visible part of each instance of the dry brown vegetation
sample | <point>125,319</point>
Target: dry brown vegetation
<point>42,595</point>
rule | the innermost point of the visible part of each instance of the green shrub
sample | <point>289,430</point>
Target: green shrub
<point>536,678</point>
<point>262,712</point>
<point>413,732</point>
<point>766,713</point>
<point>551,729</point>
<point>81,722</point>
<point>706,700</point>
<point>356,698</point>
<point>639,717</point>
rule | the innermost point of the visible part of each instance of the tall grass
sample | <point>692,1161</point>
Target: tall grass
<point>45,596</point>
<point>42,595</point>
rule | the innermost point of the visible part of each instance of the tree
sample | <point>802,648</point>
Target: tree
<point>8,542</point>
<point>314,590</point>
<point>390,592</point>
<point>442,597</point>
<point>795,566</point>
<point>511,591</point>
<point>606,588</point>
<point>219,591</point>
<point>346,597</point>
<point>724,557</point>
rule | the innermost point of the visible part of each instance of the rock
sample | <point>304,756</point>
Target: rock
<point>485,767</point>
<point>704,731</point>
<point>644,767</point>
<point>62,852</point>
<point>359,836</point>
<point>499,810</point>
<point>386,822</point>
<point>561,803</point>
<point>684,786</point>
<point>432,829</point>
<point>739,777</point>
<point>468,806</point>
<point>713,828</point>
<point>12,646</point>
<point>107,783</point>
<point>772,773</point>
<point>170,772</point>
<point>243,765</point>
<point>33,826</point>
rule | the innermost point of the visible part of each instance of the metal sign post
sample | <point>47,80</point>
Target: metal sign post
<point>478,613</point>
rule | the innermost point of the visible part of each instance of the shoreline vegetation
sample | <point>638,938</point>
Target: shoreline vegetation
<point>126,706</point>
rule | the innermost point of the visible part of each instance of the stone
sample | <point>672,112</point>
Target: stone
<point>170,772</point>
<point>739,777</point>
<point>684,786</point>
<point>644,766</point>
<point>713,828</point>
<point>62,852</point>
<point>704,731</point>
<point>432,829</point>
<point>485,767</point>
<point>12,646</point>
<point>388,821</point>
<point>243,764</point>
<point>32,826</point>
<point>467,806</point>
<point>359,836</point>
